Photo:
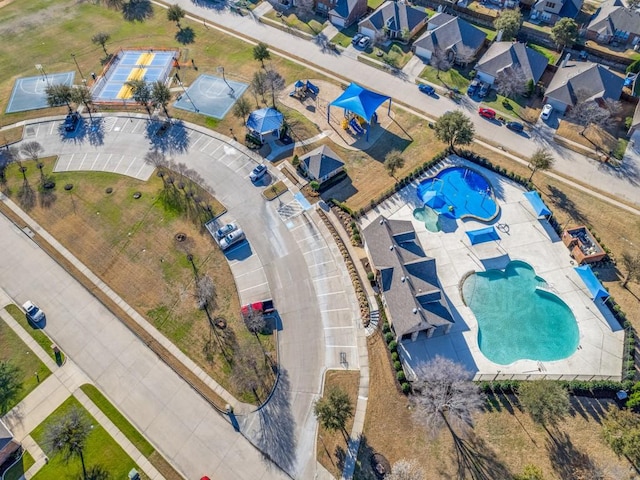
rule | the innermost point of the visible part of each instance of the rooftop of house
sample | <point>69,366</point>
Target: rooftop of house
<point>593,79</point>
<point>448,32</point>
<point>505,55</point>
<point>613,16</point>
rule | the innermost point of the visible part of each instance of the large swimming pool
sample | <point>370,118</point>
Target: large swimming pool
<point>519,317</point>
<point>459,192</point>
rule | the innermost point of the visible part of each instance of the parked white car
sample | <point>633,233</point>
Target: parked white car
<point>34,314</point>
<point>546,112</point>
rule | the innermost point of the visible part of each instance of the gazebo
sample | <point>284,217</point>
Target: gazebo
<point>362,102</point>
<point>264,121</point>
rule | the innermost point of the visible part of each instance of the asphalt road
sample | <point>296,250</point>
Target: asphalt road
<point>622,182</point>
<point>305,276</point>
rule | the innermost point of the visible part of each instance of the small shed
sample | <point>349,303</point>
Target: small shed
<point>321,164</point>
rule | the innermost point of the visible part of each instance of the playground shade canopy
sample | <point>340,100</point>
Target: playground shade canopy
<point>538,205</point>
<point>482,235</point>
<point>360,101</point>
<point>591,282</point>
<point>265,120</point>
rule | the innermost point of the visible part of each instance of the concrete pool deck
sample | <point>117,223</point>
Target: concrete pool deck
<point>599,354</point>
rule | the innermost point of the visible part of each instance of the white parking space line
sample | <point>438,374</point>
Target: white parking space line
<point>96,159</point>
<point>131,164</point>
<point>119,162</point>
<point>324,277</point>
<point>249,273</point>
<point>83,159</point>
<point>206,145</point>
<point>243,166</point>
<point>324,247</point>
<point>212,153</point>
<point>200,137</point>
<point>53,128</point>
<point>338,328</point>
<point>138,123</point>
<point>329,293</point>
<point>315,236</point>
<point>142,167</point>
<point>335,310</point>
<point>254,287</point>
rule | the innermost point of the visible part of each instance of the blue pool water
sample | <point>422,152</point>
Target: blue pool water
<point>459,192</point>
<point>429,216</point>
<point>516,318</point>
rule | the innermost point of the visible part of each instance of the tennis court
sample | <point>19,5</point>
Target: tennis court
<point>210,95</point>
<point>29,92</point>
<point>130,65</point>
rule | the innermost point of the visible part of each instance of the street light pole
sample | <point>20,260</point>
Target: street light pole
<point>73,55</point>
<point>220,69</point>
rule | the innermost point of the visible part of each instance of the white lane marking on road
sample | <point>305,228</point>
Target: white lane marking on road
<point>337,328</point>
<point>341,346</point>
<point>249,273</point>
<point>316,249</point>
<point>335,310</point>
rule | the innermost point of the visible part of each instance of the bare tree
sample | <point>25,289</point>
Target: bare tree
<point>631,264</point>
<point>32,150</point>
<point>242,109</point>
<point>587,111</point>
<point>464,55</point>
<point>68,435</point>
<point>255,322</point>
<point>245,369</point>
<point>405,470</point>
<point>540,160</point>
<point>275,84</point>
<point>259,86</point>
<point>205,292</point>
<point>445,395</point>
<point>440,60</point>
<point>511,82</point>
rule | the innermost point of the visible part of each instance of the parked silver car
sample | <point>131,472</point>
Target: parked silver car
<point>231,239</point>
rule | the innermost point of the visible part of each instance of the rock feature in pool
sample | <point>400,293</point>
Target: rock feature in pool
<point>459,192</point>
<point>519,318</point>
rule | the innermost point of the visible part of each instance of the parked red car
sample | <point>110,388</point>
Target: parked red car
<point>487,113</point>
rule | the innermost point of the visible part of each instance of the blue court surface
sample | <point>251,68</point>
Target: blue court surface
<point>210,96</point>
<point>29,93</point>
<point>128,65</point>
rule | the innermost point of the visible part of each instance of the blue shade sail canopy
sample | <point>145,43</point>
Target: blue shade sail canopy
<point>538,205</point>
<point>591,282</point>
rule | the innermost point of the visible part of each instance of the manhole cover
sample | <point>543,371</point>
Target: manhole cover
<point>137,195</point>
<point>68,186</point>
<point>108,190</point>
<point>181,237</point>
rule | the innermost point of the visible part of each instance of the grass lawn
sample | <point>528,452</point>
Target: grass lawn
<point>452,78</point>
<point>344,36</point>
<point>312,25</point>
<point>331,447</point>
<point>551,55</point>
<point>594,136</point>
<point>38,335</point>
<point>100,451</point>
<point>130,244</point>
<point>11,135</point>
<point>373,4</point>
<point>518,108</point>
<point>16,352</point>
<point>16,472</point>
<point>395,54</point>
<point>491,33</point>
<point>274,191</point>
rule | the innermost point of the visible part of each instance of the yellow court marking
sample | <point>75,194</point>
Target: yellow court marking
<point>137,73</point>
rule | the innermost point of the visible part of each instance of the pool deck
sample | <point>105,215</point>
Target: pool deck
<point>599,354</point>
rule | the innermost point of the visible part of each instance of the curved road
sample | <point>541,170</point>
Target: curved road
<point>622,182</point>
<point>304,271</point>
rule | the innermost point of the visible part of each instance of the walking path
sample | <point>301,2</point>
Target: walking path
<point>49,395</point>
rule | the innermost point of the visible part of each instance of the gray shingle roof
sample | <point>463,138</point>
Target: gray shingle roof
<point>504,55</point>
<point>635,123</point>
<point>448,32</point>
<point>409,277</point>
<point>397,16</point>
<point>321,162</point>
<point>612,16</point>
<point>344,7</point>
<point>594,79</point>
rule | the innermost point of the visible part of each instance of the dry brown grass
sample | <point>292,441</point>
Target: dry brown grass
<point>594,136</point>
<point>504,439</point>
<point>331,447</point>
<point>130,244</point>
<point>11,135</point>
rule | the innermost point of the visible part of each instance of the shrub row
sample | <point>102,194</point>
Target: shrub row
<point>593,388</point>
<point>353,273</point>
<point>389,339</point>
<point>345,215</point>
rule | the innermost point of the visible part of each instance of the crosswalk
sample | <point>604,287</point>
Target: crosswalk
<point>290,210</point>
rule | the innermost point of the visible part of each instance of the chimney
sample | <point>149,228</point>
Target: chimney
<point>565,60</point>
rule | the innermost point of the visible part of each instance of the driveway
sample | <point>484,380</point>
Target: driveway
<point>290,257</point>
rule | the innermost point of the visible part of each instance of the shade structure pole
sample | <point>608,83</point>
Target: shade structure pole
<point>389,109</point>
<point>328,112</point>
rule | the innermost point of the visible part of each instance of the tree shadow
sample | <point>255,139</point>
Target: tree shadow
<point>276,438</point>
<point>341,455</point>
<point>568,461</point>
<point>26,196</point>
<point>137,10</point>
<point>167,137</point>
<point>586,407</point>
<point>560,200</point>
<point>476,460</point>
<point>95,472</point>
<point>212,4</point>
<point>186,36</point>
<point>47,197</point>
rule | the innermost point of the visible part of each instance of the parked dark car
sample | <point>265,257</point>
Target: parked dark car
<point>515,126</point>
<point>484,90</point>
<point>71,122</point>
<point>428,89</point>
<point>473,87</point>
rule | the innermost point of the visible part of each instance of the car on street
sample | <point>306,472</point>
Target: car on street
<point>356,38</point>
<point>515,126</point>
<point>484,90</point>
<point>487,113</point>
<point>546,112</point>
<point>226,230</point>
<point>34,314</point>
<point>428,89</point>
<point>364,42</point>
<point>258,172</point>
<point>473,87</point>
<point>231,239</point>
<point>71,122</point>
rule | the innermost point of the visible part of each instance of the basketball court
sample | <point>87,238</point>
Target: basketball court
<point>29,92</point>
<point>130,65</point>
<point>210,95</point>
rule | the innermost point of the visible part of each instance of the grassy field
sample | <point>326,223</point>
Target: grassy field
<point>101,450</point>
<point>312,25</point>
<point>331,447</point>
<point>14,351</point>
<point>130,244</point>
<point>452,78</point>
<point>395,54</point>
<point>11,135</point>
<point>38,335</point>
<point>16,472</point>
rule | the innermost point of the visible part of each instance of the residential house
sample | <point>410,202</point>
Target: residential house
<point>550,11</point>
<point>460,40</point>
<point>321,164</point>
<point>8,445</point>
<point>341,13</point>
<point>408,280</point>
<point>394,20</point>
<point>505,56</point>
<point>613,22</point>
<point>589,80</point>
